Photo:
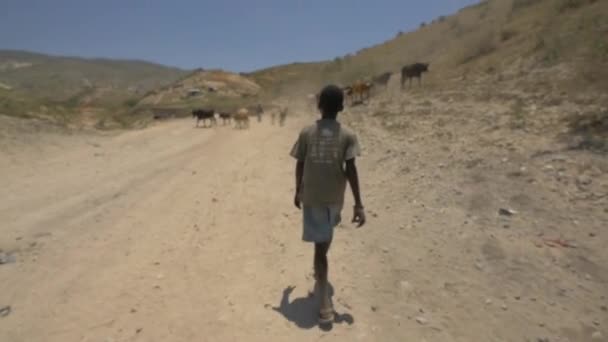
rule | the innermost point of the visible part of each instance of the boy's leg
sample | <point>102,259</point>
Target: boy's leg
<point>321,271</point>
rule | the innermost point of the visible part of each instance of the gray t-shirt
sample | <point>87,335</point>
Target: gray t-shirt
<point>324,147</point>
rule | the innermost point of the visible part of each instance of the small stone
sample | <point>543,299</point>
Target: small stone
<point>506,212</point>
<point>596,323</point>
<point>591,234</point>
<point>7,258</point>
<point>541,324</point>
<point>385,250</point>
<point>588,276</point>
<point>604,308</point>
<point>504,307</point>
<point>542,339</point>
<point>583,180</point>
<point>421,320</point>
<point>479,266</point>
<point>374,308</point>
<point>597,336</point>
<point>517,297</point>
<point>488,301</point>
<point>139,330</point>
<point>214,200</point>
<point>5,311</point>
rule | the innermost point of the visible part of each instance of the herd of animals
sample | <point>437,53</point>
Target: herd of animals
<point>361,90</point>
<point>240,117</point>
<point>355,93</point>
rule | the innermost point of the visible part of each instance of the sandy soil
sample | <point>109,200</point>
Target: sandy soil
<point>180,234</point>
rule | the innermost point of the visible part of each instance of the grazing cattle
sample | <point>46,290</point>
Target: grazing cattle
<point>256,110</point>
<point>204,114</point>
<point>283,116</point>
<point>241,118</point>
<point>382,79</point>
<point>361,91</point>
<point>348,93</point>
<point>226,117</point>
<point>413,71</point>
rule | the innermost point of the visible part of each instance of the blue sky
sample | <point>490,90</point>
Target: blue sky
<point>238,35</point>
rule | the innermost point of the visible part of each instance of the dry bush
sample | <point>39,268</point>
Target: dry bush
<point>590,131</point>
<point>565,5</point>
<point>507,34</point>
<point>517,4</point>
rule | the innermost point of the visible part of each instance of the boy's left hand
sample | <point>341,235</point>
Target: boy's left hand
<point>358,216</point>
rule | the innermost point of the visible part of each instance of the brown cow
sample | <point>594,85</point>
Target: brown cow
<point>241,118</point>
<point>382,79</point>
<point>226,117</point>
<point>361,91</point>
<point>413,71</point>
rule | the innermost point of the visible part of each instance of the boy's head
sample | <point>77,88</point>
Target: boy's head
<point>331,101</point>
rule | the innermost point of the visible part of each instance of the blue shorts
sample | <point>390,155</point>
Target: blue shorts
<point>319,222</point>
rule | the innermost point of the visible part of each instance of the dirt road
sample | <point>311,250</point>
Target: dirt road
<point>166,234</point>
<point>180,234</point>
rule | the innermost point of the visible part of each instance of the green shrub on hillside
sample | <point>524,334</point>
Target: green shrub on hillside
<point>131,102</point>
<point>517,4</point>
<point>565,5</point>
<point>507,34</point>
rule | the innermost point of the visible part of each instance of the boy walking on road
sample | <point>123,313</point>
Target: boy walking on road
<point>325,153</point>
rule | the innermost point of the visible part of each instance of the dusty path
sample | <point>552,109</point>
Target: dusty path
<point>180,234</point>
<point>166,234</point>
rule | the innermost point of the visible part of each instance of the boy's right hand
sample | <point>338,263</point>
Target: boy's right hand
<point>296,200</point>
<point>359,216</point>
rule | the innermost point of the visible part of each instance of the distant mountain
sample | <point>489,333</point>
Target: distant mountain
<point>59,78</point>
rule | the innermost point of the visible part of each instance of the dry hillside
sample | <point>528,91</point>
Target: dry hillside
<point>75,91</point>
<point>510,37</point>
<point>203,87</point>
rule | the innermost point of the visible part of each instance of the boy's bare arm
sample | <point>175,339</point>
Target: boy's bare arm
<point>353,180</point>
<point>299,173</point>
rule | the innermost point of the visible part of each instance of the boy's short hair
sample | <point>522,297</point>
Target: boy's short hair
<point>331,99</point>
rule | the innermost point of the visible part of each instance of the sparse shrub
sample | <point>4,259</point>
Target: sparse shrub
<point>564,5</point>
<point>130,102</point>
<point>507,34</point>
<point>517,4</point>
<point>518,120</point>
<point>441,18</point>
<point>422,24</point>
<point>400,33</point>
<point>590,131</point>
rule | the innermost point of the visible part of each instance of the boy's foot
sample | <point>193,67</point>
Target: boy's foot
<point>326,316</point>
<point>314,291</point>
